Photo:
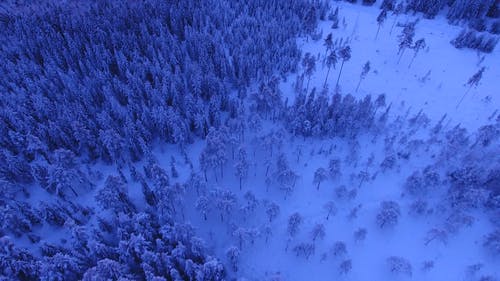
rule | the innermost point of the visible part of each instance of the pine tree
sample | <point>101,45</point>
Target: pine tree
<point>203,205</point>
<point>380,20</point>
<point>241,234</point>
<point>251,205</point>
<point>106,269</point>
<point>335,19</point>
<point>399,9</point>
<point>360,234</point>
<point>214,154</point>
<point>173,169</point>
<point>225,201</point>
<point>331,209</point>
<point>345,55</point>
<point>339,249</point>
<point>388,5</point>
<point>406,38</point>
<point>328,43</point>
<point>304,249</point>
<point>345,266</point>
<point>334,168</point>
<point>233,255</point>
<point>419,45</point>
<point>331,61</point>
<point>388,214</point>
<point>309,65</point>
<point>364,72</point>
<point>318,232</point>
<point>472,82</point>
<point>294,222</point>
<point>399,265</point>
<point>272,210</point>
<point>242,165</point>
<point>114,196</point>
<point>284,175</point>
<point>319,176</point>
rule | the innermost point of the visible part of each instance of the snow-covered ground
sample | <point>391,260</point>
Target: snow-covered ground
<point>439,94</point>
<point>405,88</point>
<point>262,259</point>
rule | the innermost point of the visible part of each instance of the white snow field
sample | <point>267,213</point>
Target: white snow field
<point>450,68</point>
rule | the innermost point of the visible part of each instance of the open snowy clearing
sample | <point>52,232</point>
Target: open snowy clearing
<point>437,93</point>
<point>407,88</point>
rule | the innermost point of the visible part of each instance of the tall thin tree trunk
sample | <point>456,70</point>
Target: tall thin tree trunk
<point>463,97</point>
<point>378,29</point>
<point>400,56</point>
<point>361,182</point>
<point>393,24</point>
<point>359,83</point>
<point>412,59</point>
<point>340,72</point>
<point>307,87</point>
<point>326,78</point>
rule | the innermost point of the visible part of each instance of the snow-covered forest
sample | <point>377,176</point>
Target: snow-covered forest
<point>274,140</point>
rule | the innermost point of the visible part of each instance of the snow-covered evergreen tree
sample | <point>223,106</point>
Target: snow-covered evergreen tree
<point>388,214</point>
<point>345,55</point>
<point>406,38</point>
<point>294,222</point>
